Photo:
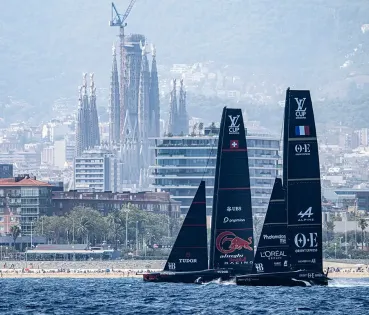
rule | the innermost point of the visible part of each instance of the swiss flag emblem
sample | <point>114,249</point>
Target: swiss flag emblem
<point>234,144</point>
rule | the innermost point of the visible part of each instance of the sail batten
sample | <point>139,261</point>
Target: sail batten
<point>232,244</point>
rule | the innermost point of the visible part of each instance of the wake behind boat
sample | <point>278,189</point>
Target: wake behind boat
<point>301,181</point>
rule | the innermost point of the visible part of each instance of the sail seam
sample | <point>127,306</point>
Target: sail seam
<point>301,179</point>
<point>303,139</point>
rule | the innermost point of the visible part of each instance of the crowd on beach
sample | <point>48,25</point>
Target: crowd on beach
<point>126,270</point>
<point>358,269</point>
<point>129,268</point>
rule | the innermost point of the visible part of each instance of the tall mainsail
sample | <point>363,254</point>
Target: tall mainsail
<point>302,183</point>
<point>272,252</point>
<point>231,243</point>
<point>190,251</point>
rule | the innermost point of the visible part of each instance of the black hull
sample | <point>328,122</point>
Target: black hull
<point>188,277</point>
<point>286,279</point>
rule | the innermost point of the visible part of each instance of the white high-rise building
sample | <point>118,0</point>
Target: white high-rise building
<point>97,170</point>
<point>183,161</point>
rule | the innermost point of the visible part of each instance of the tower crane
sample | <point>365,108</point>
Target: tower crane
<point>118,19</point>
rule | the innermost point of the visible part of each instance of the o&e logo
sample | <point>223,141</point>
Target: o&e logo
<point>302,149</point>
<point>310,240</point>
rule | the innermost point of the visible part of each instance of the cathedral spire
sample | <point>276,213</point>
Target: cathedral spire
<point>173,110</point>
<point>143,107</point>
<point>114,104</point>
<point>182,111</point>
<point>94,120</point>
<point>79,125</point>
<point>154,97</point>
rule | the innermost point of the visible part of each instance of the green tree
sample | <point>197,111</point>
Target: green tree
<point>15,230</point>
<point>329,229</point>
<point>116,222</point>
<point>362,225</point>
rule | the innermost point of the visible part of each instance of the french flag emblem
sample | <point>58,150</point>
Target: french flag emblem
<point>302,131</point>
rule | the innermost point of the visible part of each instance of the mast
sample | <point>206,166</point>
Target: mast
<point>190,251</point>
<point>303,187</point>
<point>285,139</point>
<point>231,244</point>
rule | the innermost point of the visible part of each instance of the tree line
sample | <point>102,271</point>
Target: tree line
<point>127,228</point>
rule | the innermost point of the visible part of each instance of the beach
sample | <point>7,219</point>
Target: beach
<point>130,269</point>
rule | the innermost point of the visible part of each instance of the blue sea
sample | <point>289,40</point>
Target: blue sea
<point>133,296</point>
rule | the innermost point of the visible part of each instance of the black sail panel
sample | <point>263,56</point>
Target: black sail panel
<point>232,244</point>
<point>190,252</point>
<point>303,199</point>
<point>272,252</point>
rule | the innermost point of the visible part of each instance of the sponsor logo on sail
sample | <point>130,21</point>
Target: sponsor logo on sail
<point>302,130</point>
<point>300,112</point>
<point>229,209</point>
<point>273,254</point>
<point>306,216</point>
<point>234,128</point>
<point>302,149</point>
<point>307,241</point>
<point>227,242</point>
<point>280,237</point>
<point>233,220</point>
<point>171,266</point>
<point>233,144</point>
<point>259,267</point>
<point>188,261</point>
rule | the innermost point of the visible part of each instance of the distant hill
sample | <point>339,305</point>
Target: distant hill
<point>46,45</point>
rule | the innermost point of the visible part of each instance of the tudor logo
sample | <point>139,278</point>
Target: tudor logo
<point>234,129</point>
<point>300,111</point>
<point>188,261</point>
<point>302,149</point>
<point>305,216</point>
<point>259,267</point>
<point>311,240</point>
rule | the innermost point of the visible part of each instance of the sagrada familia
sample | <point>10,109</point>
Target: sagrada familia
<point>134,111</point>
<point>87,129</point>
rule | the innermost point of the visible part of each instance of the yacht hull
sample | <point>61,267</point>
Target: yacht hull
<point>201,276</point>
<point>287,279</point>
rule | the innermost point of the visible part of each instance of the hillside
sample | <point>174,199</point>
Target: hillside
<point>46,45</point>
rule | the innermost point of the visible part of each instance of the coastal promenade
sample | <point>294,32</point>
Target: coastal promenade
<point>129,268</point>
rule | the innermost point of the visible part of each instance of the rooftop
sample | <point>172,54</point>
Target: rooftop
<point>25,181</point>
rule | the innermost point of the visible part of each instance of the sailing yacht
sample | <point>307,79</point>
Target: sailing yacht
<point>302,206</point>
<point>231,244</point>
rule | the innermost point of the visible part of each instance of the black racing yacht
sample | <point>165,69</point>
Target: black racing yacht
<point>272,251</point>
<point>188,259</point>
<point>231,245</point>
<point>302,205</point>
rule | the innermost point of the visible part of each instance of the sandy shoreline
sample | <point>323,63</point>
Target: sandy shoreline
<point>125,269</point>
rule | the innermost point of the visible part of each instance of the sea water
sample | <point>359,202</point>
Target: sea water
<point>133,296</point>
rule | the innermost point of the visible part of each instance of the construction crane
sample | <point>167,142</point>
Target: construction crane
<point>119,20</point>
